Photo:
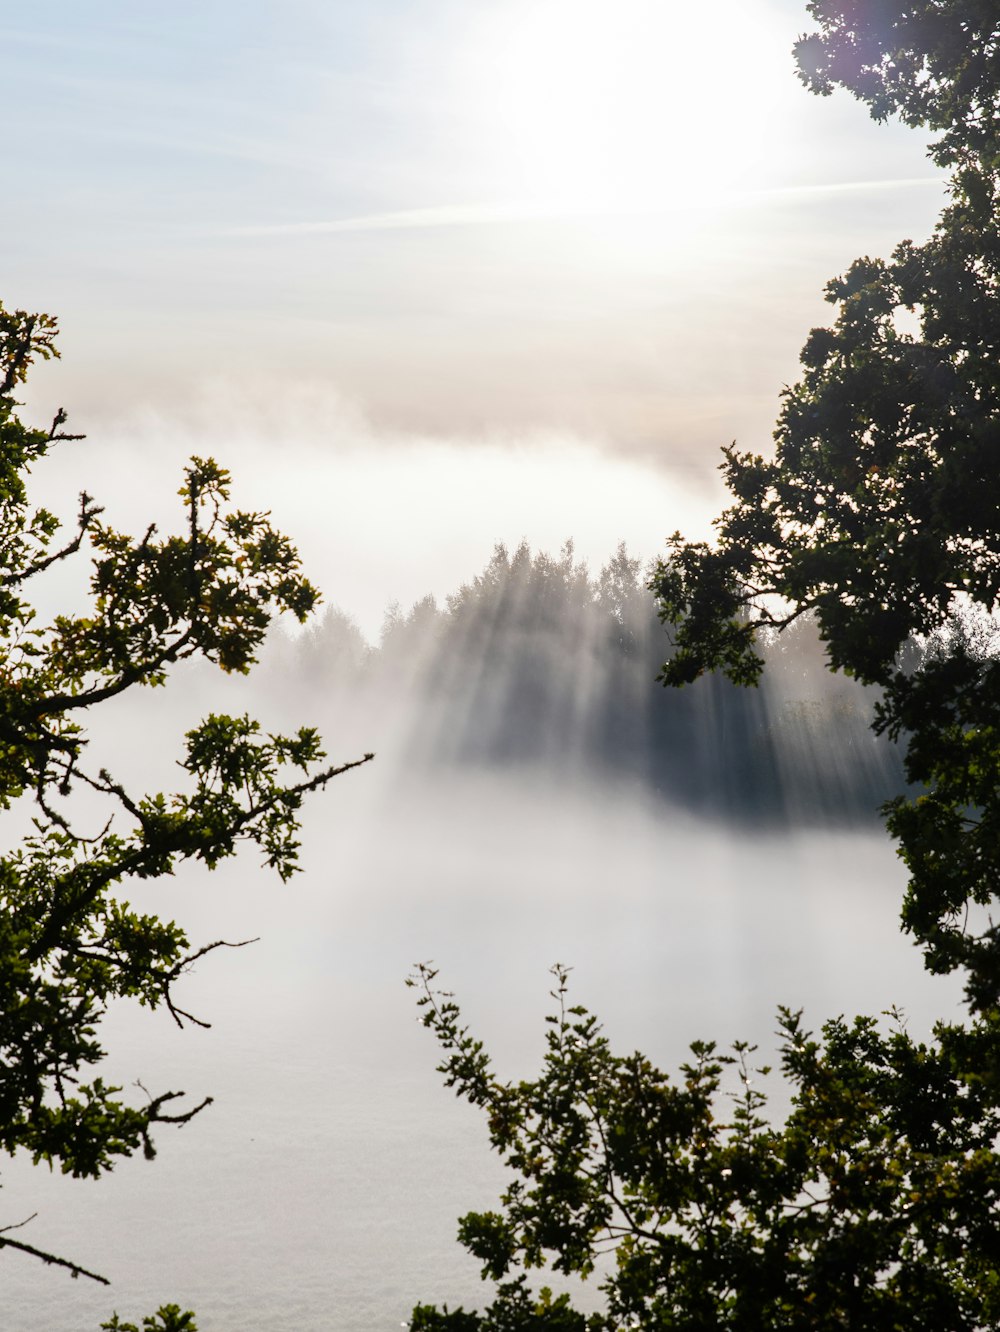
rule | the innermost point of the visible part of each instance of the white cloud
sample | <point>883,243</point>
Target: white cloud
<point>381,515</point>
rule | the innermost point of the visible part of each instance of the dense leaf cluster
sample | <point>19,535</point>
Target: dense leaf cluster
<point>931,62</point>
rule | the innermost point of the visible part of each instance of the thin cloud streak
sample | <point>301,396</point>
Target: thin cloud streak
<point>463,215</point>
<point>449,215</point>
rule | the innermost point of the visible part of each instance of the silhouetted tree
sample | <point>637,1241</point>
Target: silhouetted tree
<point>69,943</point>
<point>880,510</point>
<point>874,1205</point>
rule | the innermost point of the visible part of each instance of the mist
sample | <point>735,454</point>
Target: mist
<point>697,856</point>
<point>377,514</point>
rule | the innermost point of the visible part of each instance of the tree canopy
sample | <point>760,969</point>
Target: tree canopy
<point>879,511</point>
<point>872,1207</point>
<point>932,64</point>
<point>874,1204</point>
<point>69,941</point>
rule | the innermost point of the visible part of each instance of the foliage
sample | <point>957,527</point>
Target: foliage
<point>873,1206</point>
<point>69,943</point>
<point>168,1318</point>
<point>880,511</point>
<point>930,63</point>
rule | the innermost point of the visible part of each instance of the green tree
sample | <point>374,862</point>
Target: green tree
<point>879,511</point>
<point>69,941</point>
<point>168,1318</point>
<point>874,1205</point>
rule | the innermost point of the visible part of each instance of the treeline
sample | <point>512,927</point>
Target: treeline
<point>536,663</point>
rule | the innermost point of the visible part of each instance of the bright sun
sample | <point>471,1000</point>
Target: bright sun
<point>626,105</point>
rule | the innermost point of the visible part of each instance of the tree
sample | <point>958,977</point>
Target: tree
<point>168,1318</point>
<point>880,509</point>
<point>932,64</point>
<point>69,942</point>
<point>874,1205</point>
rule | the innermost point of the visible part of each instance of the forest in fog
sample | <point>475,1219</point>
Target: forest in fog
<point>539,663</point>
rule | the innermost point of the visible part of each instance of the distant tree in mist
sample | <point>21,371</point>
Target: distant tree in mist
<point>536,663</point>
<point>331,647</point>
<point>874,1206</point>
<point>70,943</point>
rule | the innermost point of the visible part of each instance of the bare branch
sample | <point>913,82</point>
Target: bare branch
<point>180,1014</point>
<point>155,1117</point>
<point>60,820</point>
<point>50,1259</point>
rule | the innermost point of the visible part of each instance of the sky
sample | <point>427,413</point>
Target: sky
<point>431,275</point>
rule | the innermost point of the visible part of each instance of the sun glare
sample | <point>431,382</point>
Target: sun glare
<point>633,106</point>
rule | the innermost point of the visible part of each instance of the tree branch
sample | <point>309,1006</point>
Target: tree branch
<point>179,1014</point>
<point>50,1259</point>
<point>88,512</point>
